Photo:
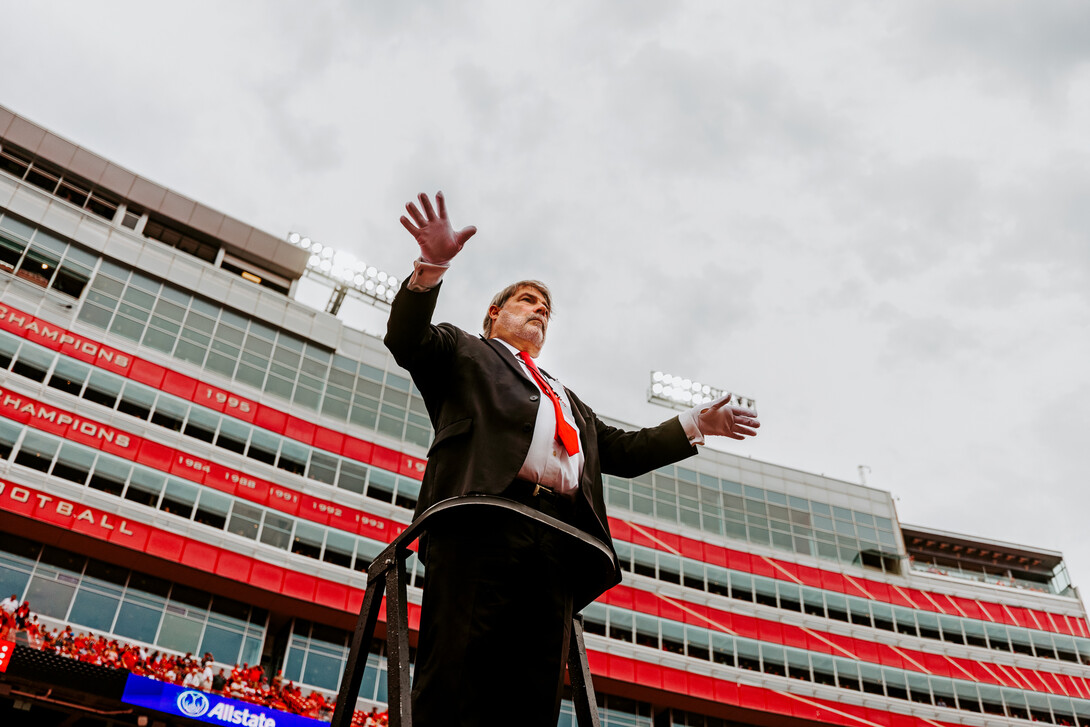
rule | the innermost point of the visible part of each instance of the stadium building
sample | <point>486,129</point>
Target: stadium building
<point>193,461</point>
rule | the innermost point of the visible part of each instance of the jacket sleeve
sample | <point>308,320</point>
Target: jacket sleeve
<point>410,335</point>
<point>630,453</point>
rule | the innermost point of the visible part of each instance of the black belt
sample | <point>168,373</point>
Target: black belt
<point>541,498</point>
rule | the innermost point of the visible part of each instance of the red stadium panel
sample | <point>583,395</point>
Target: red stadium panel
<point>674,680</point>
<point>284,499</point>
<point>357,449</point>
<point>300,430</point>
<point>333,595</point>
<point>165,545</point>
<point>763,567</point>
<point>179,385</point>
<point>412,467</point>
<point>200,556</point>
<point>315,509</point>
<point>234,566</point>
<point>267,576</point>
<point>299,585</point>
<point>701,687</point>
<point>155,455</point>
<point>130,534</point>
<point>385,458</point>
<point>726,692</point>
<point>668,610</point>
<point>355,600</point>
<point>648,675</point>
<point>328,440</point>
<point>268,418</point>
<point>752,697</point>
<point>145,372</point>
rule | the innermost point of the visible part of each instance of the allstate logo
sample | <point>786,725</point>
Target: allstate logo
<point>192,704</point>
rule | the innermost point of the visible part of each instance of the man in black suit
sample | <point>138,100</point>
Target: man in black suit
<point>500,588</point>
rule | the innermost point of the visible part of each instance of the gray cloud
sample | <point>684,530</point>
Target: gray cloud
<point>1036,45</point>
<point>705,115</point>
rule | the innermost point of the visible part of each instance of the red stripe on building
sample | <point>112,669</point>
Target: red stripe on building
<point>164,379</point>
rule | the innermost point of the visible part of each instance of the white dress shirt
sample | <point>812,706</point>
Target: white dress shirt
<point>547,463</point>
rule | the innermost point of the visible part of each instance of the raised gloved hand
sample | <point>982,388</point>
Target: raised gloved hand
<point>438,241</point>
<point>719,418</point>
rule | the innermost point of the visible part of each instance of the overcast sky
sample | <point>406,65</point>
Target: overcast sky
<point>873,218</point>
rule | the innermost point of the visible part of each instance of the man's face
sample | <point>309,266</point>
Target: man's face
<point>522,321</point>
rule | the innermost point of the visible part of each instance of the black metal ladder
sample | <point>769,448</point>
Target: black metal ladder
<point>386,575</point>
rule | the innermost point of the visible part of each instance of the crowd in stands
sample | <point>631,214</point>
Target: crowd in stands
<point>246,683</point>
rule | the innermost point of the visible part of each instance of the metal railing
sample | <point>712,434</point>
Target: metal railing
<point>386,576</point>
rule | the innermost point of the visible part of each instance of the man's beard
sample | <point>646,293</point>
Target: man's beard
<point>528,331</point>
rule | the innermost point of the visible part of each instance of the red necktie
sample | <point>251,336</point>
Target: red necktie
<point>564,432</point>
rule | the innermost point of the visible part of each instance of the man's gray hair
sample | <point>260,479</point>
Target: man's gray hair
<point>500,298</point>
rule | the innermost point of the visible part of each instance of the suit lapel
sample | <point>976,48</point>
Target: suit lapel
<point>509,358</point>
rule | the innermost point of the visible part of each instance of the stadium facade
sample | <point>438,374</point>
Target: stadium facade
<point>194,461</point>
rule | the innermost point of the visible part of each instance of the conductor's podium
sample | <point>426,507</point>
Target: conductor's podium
<point>386,575</point>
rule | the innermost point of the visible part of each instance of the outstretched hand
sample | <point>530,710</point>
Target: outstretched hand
<point>438,241</point>
<point>719,418</point>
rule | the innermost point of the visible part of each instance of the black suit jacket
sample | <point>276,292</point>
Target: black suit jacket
<point>483,409</point>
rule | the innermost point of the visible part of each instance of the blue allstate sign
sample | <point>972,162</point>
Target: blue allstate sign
<point>204,707</point>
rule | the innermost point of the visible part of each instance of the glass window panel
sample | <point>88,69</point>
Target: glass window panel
<point>12,580</point>
<point>308,539</point>
<point>277,530</point>
<point>73,463</point>
<point>233,435</point>
<point>322,671</point>
<point>94,610</point>
<point>179,633</point>
<point>145,486</point>
<point>37,451</point>
<point>222,643</point>
<point>160,340</point>
<point>103,388</point>
<point>110,474</point>
<point>138,621</point>
<point>382,485</point>
<point>323,467</point>
<point>202,424</point>
<point>11,250</point>
<point>179,498</point>
<point>9,433</point>
<point>221,364</point>
<point>38,266</point>
<point>33,362</point>
<point>263,446</point>
<point>192,352</point>
<point>338,548</point>
<point>307,397</point>
<point>50,597</point>
<point>136,400</point>
<point>293,457</point>
<point>9,346</point>
<point>673,637</point>
<point>169,413</point>
<point>212,509</point>
<point>245,520</point>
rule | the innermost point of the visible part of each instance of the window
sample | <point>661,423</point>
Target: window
<point>37,451</point>
<point>277,530</point>
<point>179,498</point>
<point>145,487</point>
<point>213,508</point>
<point>69,375</point>
<point>245,520</point>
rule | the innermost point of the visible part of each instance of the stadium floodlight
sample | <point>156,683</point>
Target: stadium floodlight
<point>346,273</point>
<point>678,392</point>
